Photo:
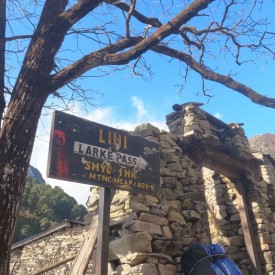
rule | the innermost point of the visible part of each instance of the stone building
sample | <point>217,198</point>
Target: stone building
<point>213,190</point>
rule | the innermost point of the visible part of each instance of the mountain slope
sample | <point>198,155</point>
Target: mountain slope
<point>35,174</point>
<point>264,144</point>
<point>43,206</point>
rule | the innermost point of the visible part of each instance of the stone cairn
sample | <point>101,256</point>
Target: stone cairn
<point>189,120</point>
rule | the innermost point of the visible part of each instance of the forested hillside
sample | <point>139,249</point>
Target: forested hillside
<point>43,206</point>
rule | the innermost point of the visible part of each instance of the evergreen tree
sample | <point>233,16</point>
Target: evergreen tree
<point>42,207</point>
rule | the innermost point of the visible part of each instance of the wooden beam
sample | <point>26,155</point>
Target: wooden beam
<point>83,257</point>
<point>248,233</point>
<point>52,266</point>
<point>103,231</point>
<point>218,157</point>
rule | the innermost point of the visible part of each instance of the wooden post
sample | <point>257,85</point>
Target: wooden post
<point>83,257</point>
<point>82,260</point>
<point>103,231</point>
<point>51,266</point>
<point>249,238</point>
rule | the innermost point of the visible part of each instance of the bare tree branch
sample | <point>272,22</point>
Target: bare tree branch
<point>143,19</point>
<point>164,31</point>
<point>222,79</point>
<point>127,21</point>
<point>104,57</point>
<point>88,62</point>
<point>79,10</point>
<point>16,37</point>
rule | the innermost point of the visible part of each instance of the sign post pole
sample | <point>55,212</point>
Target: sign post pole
<point>103,231</point>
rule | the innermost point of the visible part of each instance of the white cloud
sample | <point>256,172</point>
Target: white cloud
<point>106,116</point>
<point>100,115</point>
<point>138,104</point>
<point>218,115</point>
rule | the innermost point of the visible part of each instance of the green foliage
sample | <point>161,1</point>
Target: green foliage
<point>43,206</point>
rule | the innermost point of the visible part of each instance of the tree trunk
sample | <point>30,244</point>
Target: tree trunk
<point>16,143</point>
<point>2,56</point>
<point>20,123</point>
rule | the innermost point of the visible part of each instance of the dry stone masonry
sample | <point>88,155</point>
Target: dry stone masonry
<point>47,248</point>
<point>223,212</point>
<point>208,176</point>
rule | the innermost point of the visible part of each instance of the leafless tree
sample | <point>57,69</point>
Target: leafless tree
<point>44,50</point>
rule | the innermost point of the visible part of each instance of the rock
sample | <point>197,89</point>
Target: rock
<point>169,181</point>
<point>136,206</point>
<point>141,226</point>
<point>175,167</point>
<point>138,258</point>
<point>144,269</point>
<point>164,144</point>
<point>175,205</point>
<point>167,138</point>
<point>187,204</point>
<point>191,215</point>
<point>167,269</point>
<point>146,127</point>
<point>170,158</point>
<point>236,240</point>
<point>123,219</point>
<point>269,257</point>
<point>174,216</point>
<point>235,217</point>
<point>124,268</point>
<point>151,199</point>
<point>264,238</point>
<point>232,249</point>
<point>167,232</point>
<point>153,218</point>
<point>138,242</point>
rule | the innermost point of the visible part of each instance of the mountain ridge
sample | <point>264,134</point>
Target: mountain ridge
<point>35,174</point>
<point>263,143</point>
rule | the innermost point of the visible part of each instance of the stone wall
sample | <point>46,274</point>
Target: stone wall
<point>149,233</point>
<point>157,229</point>
<point>260,196</point>
<point>49,247</point>
<point>223,212</point>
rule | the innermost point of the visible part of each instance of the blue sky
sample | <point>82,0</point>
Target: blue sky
<point>130,101</point>
<point>125,101</point>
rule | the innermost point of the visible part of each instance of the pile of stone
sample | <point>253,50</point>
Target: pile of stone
<point>235,138</point>
<point>188,119</point>
<point>155,230</point>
